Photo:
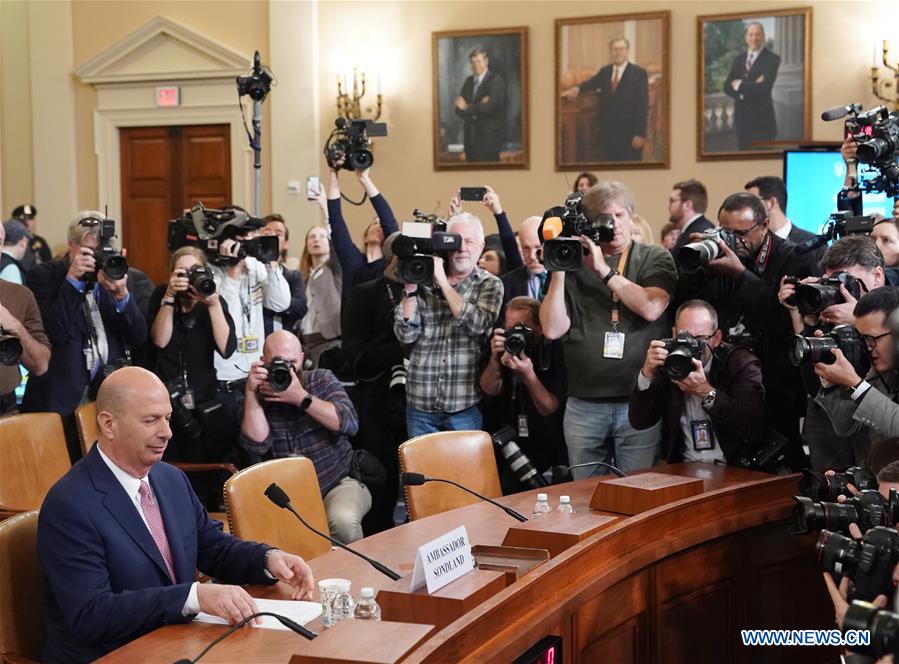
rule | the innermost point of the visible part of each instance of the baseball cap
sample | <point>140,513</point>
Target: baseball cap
<point>15,230</point>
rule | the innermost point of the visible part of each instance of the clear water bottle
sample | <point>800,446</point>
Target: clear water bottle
<point>343,607</point>
<point>565,505</point>
<point>542,506</point>
<point>367,608</point>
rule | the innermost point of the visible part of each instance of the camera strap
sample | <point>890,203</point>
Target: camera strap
<point>761,259</point>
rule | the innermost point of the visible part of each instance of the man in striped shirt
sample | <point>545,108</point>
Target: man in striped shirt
<point>313,418</point>
<point>448,325</point>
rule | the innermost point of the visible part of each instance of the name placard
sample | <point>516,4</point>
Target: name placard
<point>442,560</point>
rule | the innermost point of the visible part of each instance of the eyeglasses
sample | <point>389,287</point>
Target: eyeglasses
<point>871,342</point>
<point>674,200</point>
<point>743,233</point>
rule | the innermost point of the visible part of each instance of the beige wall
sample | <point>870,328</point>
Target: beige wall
<point>399,33</point>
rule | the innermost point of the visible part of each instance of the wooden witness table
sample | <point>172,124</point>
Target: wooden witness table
<point>675,584</point>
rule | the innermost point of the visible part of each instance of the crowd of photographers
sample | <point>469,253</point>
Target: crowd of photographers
<point>576,341</point>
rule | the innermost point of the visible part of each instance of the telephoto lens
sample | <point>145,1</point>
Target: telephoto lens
<point>818,486</point>
<point>867,509</point>
<point>516,459</point>
<point>279,374</point>
<point>10,348</point>
<point>881,625</point>
<point>868,562</point>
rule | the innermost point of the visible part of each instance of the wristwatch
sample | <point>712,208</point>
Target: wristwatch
<point>612,273</point>
<point>265,561</point>
<point>168,302</point>
<point>305,403</point>
<point>709,399</point>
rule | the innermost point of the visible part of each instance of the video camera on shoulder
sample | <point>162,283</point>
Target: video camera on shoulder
<point>106,259</point>
<point>868,562</point>
<point>877,134</point>
<point>559,230</point>
<point>419,242</point>
<point>695,255</point>
<point>207,228</point>
<point>846,338</point>
<point>682,350</point>
<point>813,298</point>
<point>352,143</point>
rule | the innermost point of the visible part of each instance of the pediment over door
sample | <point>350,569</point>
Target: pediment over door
<point>163,50</point>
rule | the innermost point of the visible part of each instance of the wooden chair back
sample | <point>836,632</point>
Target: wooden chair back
<point>252,516</point>
<point>22,599</point>
<point>465,457</point>
<point>33,456</point>
<point>86,422</point>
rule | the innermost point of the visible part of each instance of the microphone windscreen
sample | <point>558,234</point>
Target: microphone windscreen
<point>414,479</point>
<point>551,228</point>
<point>276,494</point>
<point>835,113</point>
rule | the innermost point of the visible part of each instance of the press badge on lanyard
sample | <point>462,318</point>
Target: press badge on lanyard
<point>613,343</point>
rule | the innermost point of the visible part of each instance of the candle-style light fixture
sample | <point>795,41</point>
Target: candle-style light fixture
<point>349,103</point>
<point>884,76</point>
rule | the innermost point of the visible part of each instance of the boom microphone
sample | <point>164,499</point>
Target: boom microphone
<point>837,112</point>
<point>277,495</point>
<point>417,479</point>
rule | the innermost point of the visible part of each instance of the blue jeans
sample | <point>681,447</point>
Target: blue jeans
<point>600,431</point>
<point>419,422</point>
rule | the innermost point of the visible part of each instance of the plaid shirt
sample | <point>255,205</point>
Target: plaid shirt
<point>291,429</point>
<point>446,351</point>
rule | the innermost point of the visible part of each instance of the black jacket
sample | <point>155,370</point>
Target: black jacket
<point>485,122</point>
<point>622,114</point>
<point>297,309</point>
<point>698,225</point>
<point>754,116</point>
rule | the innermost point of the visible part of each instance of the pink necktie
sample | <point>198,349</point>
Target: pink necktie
<point>749,61</point>
<point>151,512</point>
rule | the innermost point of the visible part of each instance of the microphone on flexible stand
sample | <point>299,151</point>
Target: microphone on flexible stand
<point>284,620</point>
<point>417,479</point>
<point>277,495</point>
<point>561,474</point>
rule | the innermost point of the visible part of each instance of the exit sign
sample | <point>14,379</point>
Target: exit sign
<point>168,96</point>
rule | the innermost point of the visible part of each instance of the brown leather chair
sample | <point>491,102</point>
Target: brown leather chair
<point>22,598</point>
<point>465,457</point>
<point>33,456</point>
<point>252,516</point>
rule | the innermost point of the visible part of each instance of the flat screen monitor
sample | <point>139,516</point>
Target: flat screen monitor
<point>813,179</point>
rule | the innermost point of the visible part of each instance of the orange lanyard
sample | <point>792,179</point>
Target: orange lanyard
<point>622,262</point>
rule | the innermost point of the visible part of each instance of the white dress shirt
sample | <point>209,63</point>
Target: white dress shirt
<point>131,485</point>
<point>784,231</point>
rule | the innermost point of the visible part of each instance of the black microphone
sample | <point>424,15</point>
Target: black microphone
<point>417,479</point>
<point>284,620</point>
<point>561,474</point>
<point>811,244</point>
<point>835,113</point>
<point>276,494</point>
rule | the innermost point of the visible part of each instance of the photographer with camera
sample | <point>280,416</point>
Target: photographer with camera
<point>276,226</point>
<point>855,403</point>
<point>813,304</point>
<point>191,323</point>
<point>738,271</point>
<point>246,286</point>
<point>358,266</point>
<point>90,318</point>
<point>709,393</point>
<point>22,339</point>
<point>446,326</point>
<point>292,412</point>
<point>608,311</point>
<point>490,200</point>
<point>525,385</point>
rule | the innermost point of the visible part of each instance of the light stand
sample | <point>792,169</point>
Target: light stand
<point>256,86</point>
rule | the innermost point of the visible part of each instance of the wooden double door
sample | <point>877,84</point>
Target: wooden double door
<point>166,170</point>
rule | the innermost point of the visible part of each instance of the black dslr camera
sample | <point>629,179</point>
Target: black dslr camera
<point>106,258</point>
<point>818,486</point>
<point>258,83</point>
<point>820,349</point>
<point>207,228</point>
<point>682,350</point>
<point>868,563</point>
<point>416,252</point>
<point>559,230</point>
<point>519,339</point>
<point>691,257</point>
<point>815,297</point>
<point>881,625</point>
<point>866,509</point>
<point>352,143</point>
<point>183,421</point>
<point>279,374</point>
<point>10,348</point>
<point>200,277</point>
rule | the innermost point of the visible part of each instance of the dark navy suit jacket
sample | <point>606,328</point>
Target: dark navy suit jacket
<point>106,582</point>
<point>60,389</point>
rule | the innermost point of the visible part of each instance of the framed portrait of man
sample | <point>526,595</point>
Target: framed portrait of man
<point>613,91</point>
<point>480,99</point>
<point>754,83</point>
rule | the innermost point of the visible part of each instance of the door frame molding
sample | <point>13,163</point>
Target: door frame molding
<point>107,146</point>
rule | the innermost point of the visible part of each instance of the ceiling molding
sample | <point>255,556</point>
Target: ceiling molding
<point>163,50</point>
